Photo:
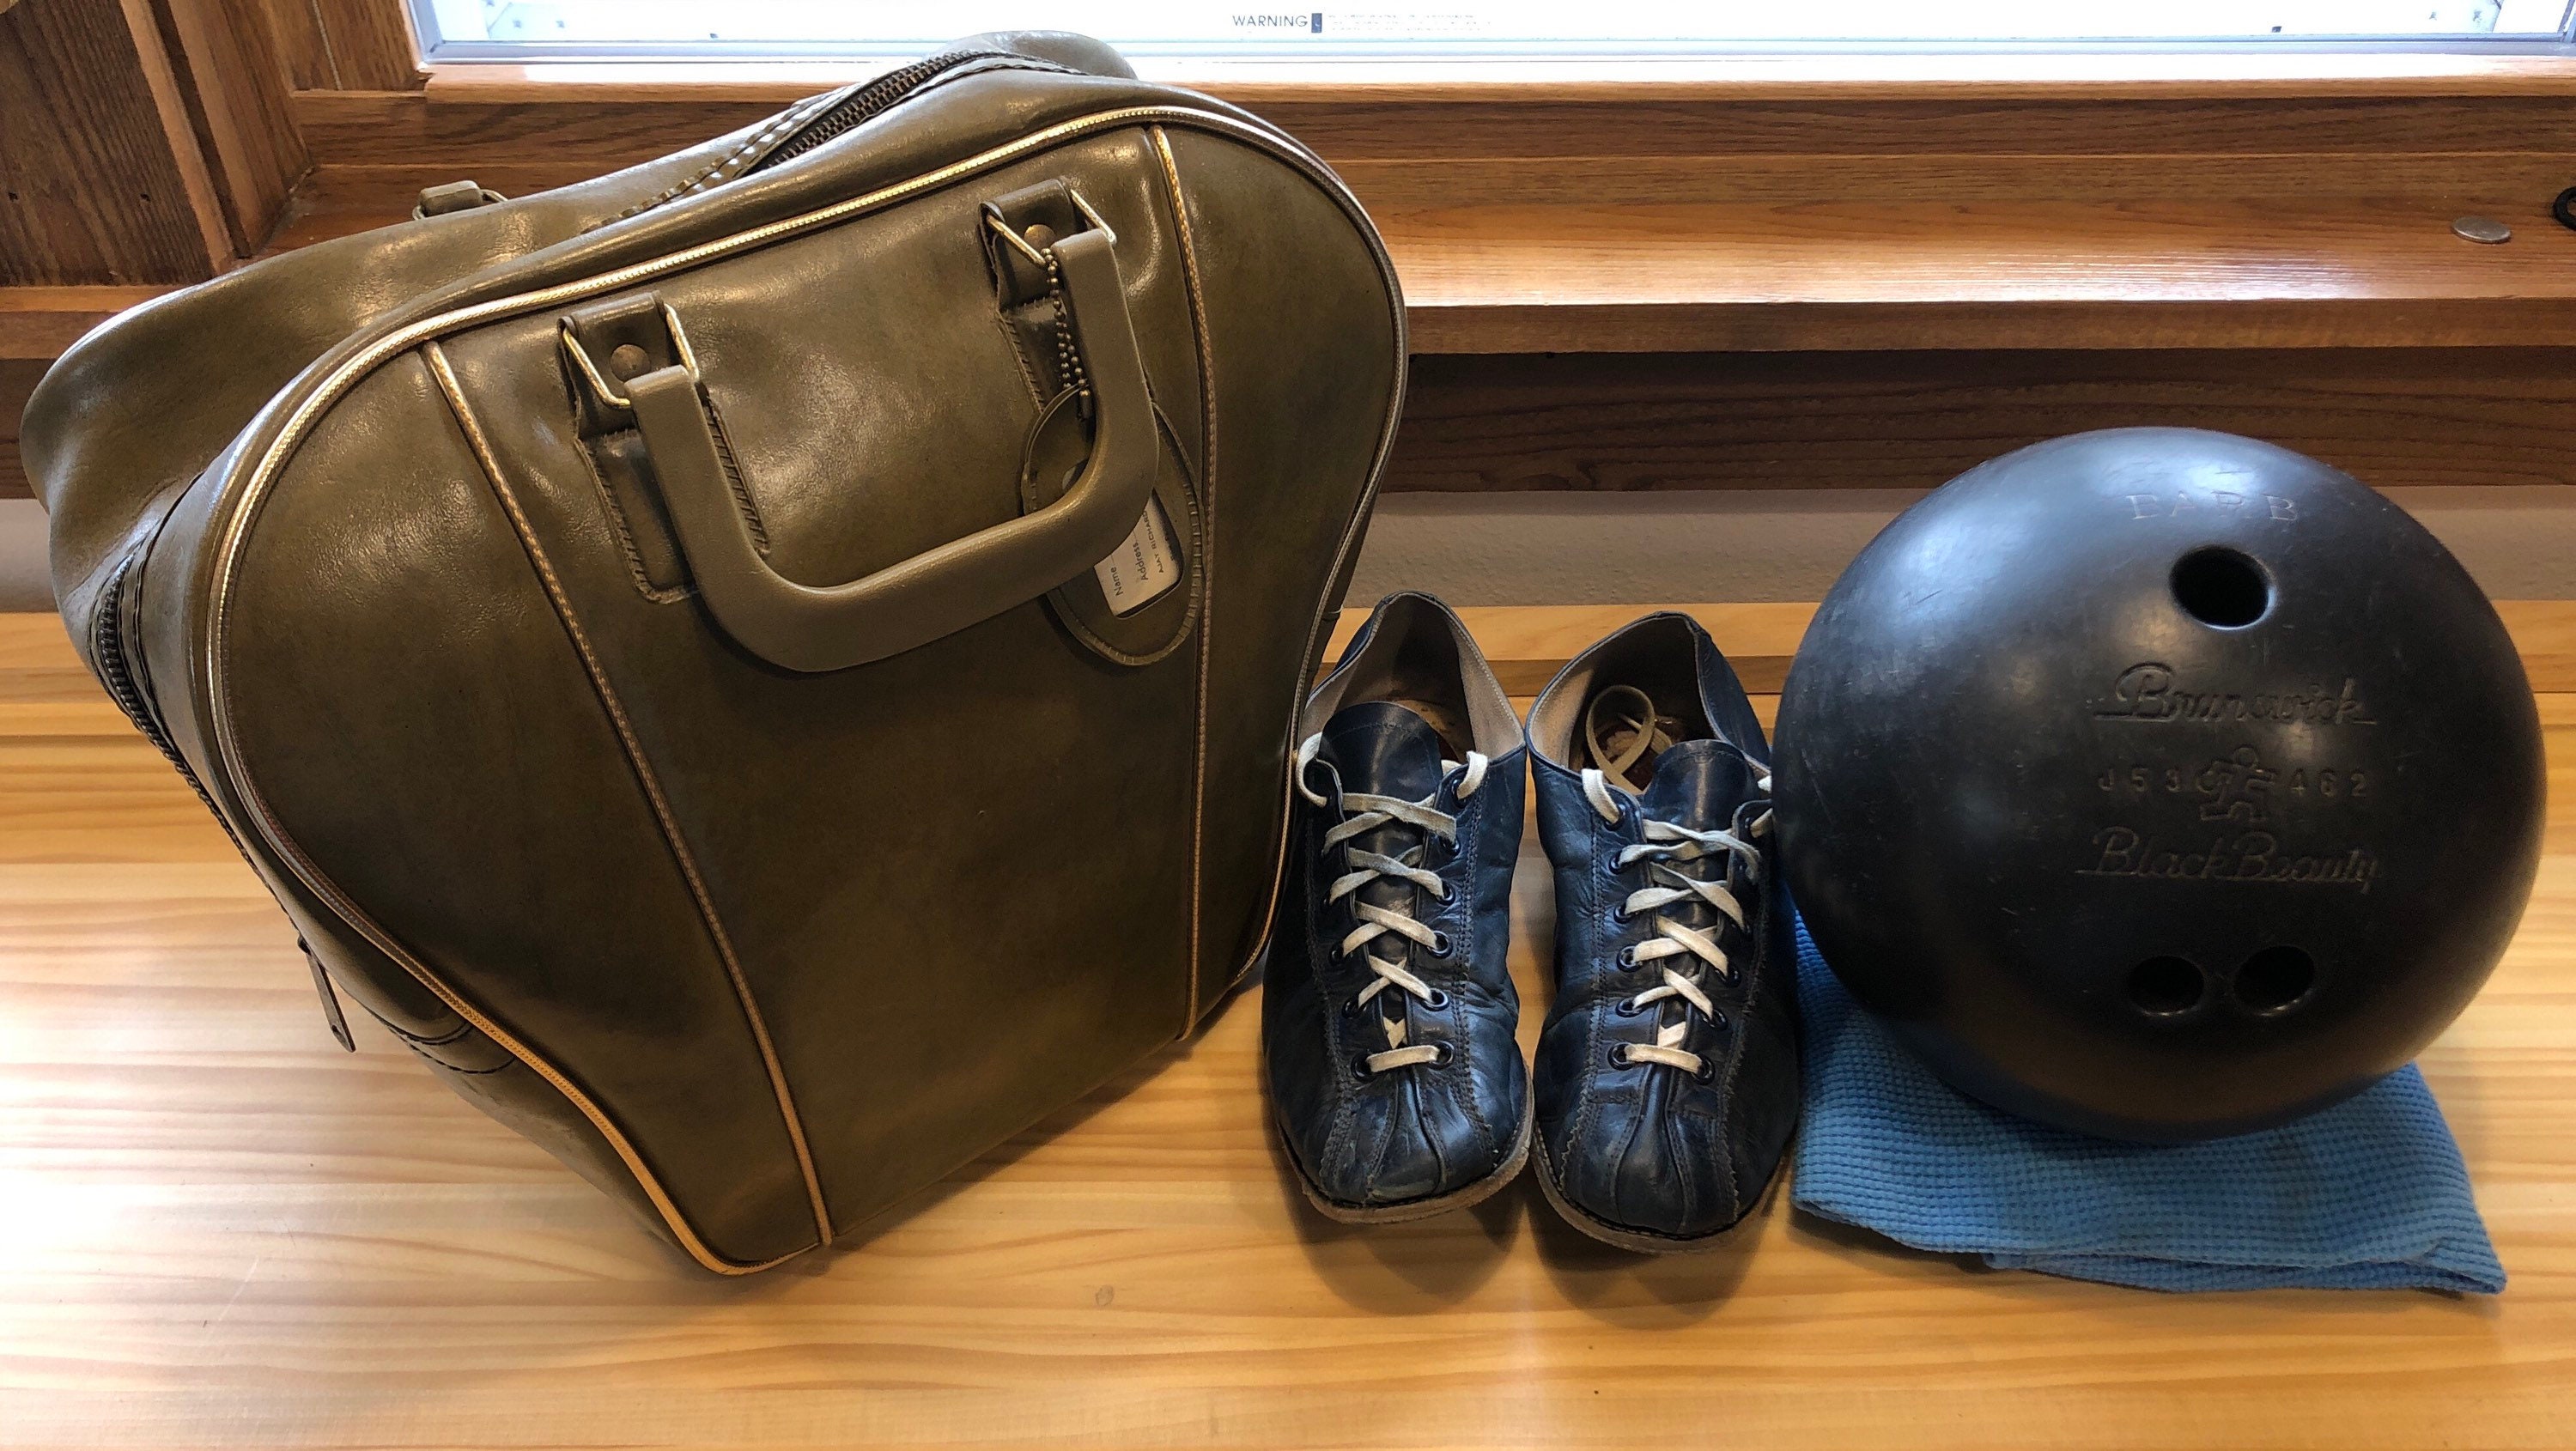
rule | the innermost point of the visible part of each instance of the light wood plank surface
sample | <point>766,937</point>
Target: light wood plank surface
<point>217,1230</point>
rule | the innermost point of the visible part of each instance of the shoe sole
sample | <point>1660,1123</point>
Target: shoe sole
<point>1464,1197</point>
<point>1645,1241</point>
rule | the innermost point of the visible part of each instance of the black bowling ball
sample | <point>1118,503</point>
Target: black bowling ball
<point>2160,784</point>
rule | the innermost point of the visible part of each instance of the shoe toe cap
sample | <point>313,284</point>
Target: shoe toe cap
<point>1666,1175</point>
<point>1400,1142</point>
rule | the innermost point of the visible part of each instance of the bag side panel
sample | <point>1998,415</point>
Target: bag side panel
<point>1306,372</point>
<point>423,732</point>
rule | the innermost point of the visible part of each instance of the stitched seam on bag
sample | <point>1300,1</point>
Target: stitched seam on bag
<point>788,121</point>
<point>459,1068</point>
<point>624,531</point>
<point>741,160</point>
<point>642,769</point>
<point>784,121</point>
<point>1206,511</point>
<point>430,1057</point>
<point>441,1041</point>
<point>414,1040</point>
<point>1020,355</point>
<point>733,472</point>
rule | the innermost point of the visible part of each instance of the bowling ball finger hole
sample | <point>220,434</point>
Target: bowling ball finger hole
<point>2275,979</point>
<point>2221,588</point>
<point>2164,986</point>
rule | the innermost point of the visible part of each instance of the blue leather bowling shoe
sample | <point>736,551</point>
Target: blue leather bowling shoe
<point>1388,1016</point>
<point>1667,1072</point>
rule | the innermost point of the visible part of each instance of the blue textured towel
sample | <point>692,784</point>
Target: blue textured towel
<point>2369,1194</point>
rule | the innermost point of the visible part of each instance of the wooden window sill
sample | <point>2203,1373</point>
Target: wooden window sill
<point>1872,275</point>
<point>1519,278</point>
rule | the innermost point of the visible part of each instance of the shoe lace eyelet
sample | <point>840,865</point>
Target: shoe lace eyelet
<point>1707,1071</point>
<point>1618,1055</point>
<point>1720,1021</point>
<point>1447,1056</point>
<point>1360,1069</point>
<point>1627,959</point>
<point>1350,1007</point>
<point>1441,946</point>
<point>1627,1008</point>
<point>1437,1001</point>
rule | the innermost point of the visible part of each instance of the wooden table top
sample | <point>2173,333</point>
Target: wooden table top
<point>218,1230</point>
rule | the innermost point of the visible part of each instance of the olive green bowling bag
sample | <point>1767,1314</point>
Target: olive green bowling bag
<point>770,670</point>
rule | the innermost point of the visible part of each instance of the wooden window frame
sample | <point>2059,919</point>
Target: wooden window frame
<point>2118,199</point>
<point>2005,200</point>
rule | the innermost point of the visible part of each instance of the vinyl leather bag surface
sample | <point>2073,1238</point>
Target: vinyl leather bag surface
<point>771,670</point>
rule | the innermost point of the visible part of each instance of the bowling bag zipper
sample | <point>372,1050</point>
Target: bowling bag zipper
<point>129,683</point>
<point>882,95</point>
<point>109,642</point>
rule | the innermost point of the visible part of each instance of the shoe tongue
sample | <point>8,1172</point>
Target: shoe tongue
<point>1381,748</point>
<point>1698,784</point>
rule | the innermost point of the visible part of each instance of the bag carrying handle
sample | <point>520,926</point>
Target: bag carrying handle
<point>939,591</point>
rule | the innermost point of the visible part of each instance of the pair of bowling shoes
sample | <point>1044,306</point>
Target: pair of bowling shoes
<point>1666,1080</point>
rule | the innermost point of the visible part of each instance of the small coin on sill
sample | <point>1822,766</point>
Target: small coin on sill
<point>2481,229</point>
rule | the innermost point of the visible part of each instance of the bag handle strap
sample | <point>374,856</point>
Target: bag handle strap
<point>939,591</point>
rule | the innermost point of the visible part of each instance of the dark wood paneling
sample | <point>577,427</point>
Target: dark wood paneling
<point>232,81</point>
<point>371,44</point>
<point>2395,417</point>
<point>92,187</point>
<point>412,128</point>
<point>296,28</point>
<point>344,45</point>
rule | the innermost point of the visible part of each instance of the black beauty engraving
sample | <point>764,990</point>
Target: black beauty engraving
<point>2251,858</point>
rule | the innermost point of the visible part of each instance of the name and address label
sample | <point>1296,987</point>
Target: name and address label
<point>1144,568</point>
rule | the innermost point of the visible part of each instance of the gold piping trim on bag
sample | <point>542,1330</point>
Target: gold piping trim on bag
<point>1320,627</point>
<point>643,769</point>
<point>1188,248</point>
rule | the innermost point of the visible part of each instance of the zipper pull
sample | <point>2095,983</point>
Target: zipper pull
<point>337,1020</point>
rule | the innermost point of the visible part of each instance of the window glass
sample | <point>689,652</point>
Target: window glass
<point>527,29</point>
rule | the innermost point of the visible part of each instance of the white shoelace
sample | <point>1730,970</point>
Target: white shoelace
<point>1362,813</point>
<point>1685,952</point>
